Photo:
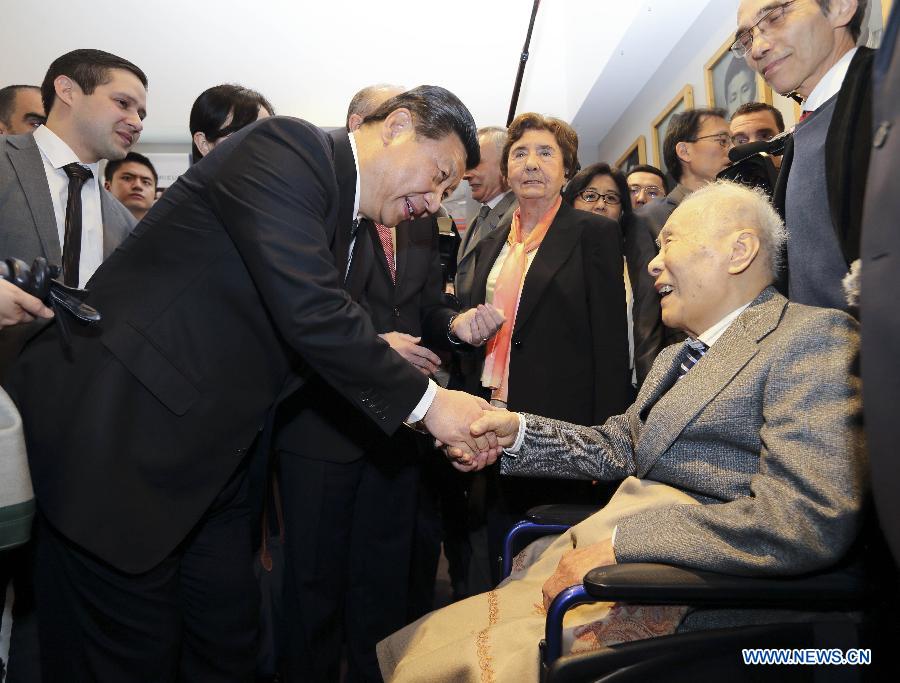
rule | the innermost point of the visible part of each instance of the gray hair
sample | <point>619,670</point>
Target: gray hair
<point>728,205</point>
<point>495,134</point>
<point>370,98</point>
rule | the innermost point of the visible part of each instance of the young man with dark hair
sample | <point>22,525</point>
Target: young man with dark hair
<point>809,48</point>
<point>756,122</point>
<point>645,183</point>
<point>21,110</point>
<point>133,182</point>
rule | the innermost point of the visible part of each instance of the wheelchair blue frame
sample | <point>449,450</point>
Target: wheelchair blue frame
<point>521,530</point>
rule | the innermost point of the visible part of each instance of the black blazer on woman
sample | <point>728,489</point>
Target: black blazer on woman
<point>569,357</point>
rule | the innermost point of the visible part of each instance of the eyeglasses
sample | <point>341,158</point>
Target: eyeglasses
<point>723,139</point>
<point>772,18</point>
<point>591,196</point>
<point>651,191</point>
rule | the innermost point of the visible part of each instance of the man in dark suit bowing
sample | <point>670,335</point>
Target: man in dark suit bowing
<point>349,489</point>
<point>226,297</point>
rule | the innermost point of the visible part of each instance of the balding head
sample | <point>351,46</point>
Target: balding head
<point>367,101</point>
<point>719,249</point>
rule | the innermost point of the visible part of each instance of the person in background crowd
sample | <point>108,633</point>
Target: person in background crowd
<point>132,181</point>
<point>645,183</point>
<point>756,122</point>
<point>556,274</point>
<point>491,190</point>
<point>220,111</point>
<point>695,149</point>
<point>21,109</point>
<point>604,191</point>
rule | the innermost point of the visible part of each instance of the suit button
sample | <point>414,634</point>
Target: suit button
<point>396,312</point>
<point>881,134</point>
<point>517,343</point>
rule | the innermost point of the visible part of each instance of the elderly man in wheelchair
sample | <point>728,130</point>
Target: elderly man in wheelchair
<point>742,456</point>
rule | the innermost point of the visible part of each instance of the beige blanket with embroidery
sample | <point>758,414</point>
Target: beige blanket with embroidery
<point>494,636</point>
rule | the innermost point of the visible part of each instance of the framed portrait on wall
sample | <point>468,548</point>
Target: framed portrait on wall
<point>635,155</point>
<point>683,101</point>
<point>730,82</point>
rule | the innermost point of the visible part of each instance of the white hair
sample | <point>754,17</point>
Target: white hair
<point>496,134</point>
<point>727,205</point>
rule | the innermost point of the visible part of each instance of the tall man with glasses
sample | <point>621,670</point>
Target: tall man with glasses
<point>808,47</point>
<point>695,150</point>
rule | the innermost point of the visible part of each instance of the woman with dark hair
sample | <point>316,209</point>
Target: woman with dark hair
<point>603,190</point>
<point>557,275</point>
<point>221,111</point>
<point>600,189</point>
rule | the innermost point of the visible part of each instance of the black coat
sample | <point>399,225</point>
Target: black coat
<point>221,300</point>
<point>569,355</point>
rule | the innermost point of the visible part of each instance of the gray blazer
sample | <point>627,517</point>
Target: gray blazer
<point>465,260</point>
<point>764,431</point>
<point>28,224</point>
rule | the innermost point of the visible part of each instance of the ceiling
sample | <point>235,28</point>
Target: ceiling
<point>588,60</point>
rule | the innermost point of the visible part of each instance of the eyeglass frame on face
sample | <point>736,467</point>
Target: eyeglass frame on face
<point>653,191</point>
<point>723,138</point>
<point>738,48</point>
<point>600,195</point>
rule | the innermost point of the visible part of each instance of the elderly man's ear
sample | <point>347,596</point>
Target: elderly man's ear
<point>744,248</point>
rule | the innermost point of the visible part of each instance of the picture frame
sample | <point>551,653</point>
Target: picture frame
<point>635,155</point>
<point>731,82</point>
<point>683,101</point>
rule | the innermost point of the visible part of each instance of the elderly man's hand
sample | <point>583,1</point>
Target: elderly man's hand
<point>478,324</point>
<point>424,360</point>
<point>573,566</point>
<point>16,306</point>
<point>503,424</point>
<point>448,419</point>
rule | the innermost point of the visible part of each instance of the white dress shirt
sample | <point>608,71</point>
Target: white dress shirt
<point>55,154</point>
<point>830,84</point>
<point>427,399</point>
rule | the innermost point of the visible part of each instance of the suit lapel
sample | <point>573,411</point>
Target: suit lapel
<point>487,226</point>
<point>561,238</point>
<point>677,407</point>
<point>345,172</point>
<point>29,167</point>
<point>114,232</point>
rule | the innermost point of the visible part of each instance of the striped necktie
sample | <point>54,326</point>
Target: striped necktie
<point>695,351</point>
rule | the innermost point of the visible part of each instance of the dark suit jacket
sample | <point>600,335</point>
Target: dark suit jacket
<point>223,297</point>
<point>28,224</point>
<point>640,249</point>
<point>318,422</point>
<point>878,306</point>
<point>499,216</point>
<point>847,148</point>
<point>655,214</point>
<point>569,357</point>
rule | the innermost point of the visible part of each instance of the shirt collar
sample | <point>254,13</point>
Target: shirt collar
<point>352,137</point>
<point>57,152</point>
<point>496,200</point>
<point>831,82</point>
<point>713,333</point>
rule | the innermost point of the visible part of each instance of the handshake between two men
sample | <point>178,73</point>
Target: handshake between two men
<point>453,414</point>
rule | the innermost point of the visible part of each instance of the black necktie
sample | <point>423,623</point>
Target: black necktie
<point>695,351</point>
<point>78,174</point>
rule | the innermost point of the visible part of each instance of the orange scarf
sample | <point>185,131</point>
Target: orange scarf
<point>507,292</point>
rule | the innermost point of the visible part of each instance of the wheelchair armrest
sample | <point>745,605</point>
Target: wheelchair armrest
<point>661,584</point>
<point>560,514</point>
